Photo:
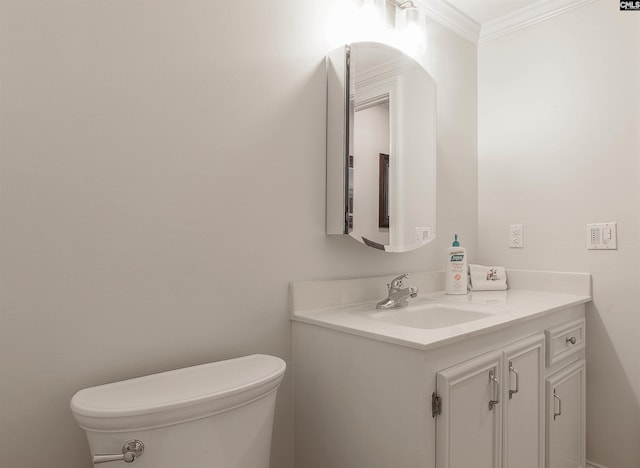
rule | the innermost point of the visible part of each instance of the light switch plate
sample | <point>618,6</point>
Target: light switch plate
<point>602,236</point>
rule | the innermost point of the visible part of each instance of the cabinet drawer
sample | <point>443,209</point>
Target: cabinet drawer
<point>564,341</point>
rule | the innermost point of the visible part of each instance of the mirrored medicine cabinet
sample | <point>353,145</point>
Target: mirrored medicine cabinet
<point>381,147</point>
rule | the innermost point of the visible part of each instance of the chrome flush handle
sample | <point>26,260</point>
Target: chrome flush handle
<point>131,450</point>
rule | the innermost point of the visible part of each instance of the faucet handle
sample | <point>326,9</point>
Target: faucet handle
<point>396,283</point>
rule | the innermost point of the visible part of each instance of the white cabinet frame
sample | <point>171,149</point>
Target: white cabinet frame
<point>566,417</point>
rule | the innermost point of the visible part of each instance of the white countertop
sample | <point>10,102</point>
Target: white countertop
<point>505,308</point>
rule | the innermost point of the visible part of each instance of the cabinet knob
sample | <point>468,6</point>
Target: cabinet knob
<point>571,340</point>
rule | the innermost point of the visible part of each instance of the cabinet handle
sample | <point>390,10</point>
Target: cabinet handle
<point>496,394</point>
<point>557,397</point>
<point>571,340</point>
<point>511,392</point>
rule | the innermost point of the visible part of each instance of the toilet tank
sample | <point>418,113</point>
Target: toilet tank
<point>217,415</point>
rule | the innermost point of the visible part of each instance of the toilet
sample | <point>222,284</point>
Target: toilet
<point>217,415</point>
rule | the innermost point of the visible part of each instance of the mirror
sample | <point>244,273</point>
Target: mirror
<point>381,147</point>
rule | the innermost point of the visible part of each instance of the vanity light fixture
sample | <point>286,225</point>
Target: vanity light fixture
<point>405,5</point>
<point>359,20</point>
<point>393,22</point>
<point>411,13</point>
<point>410,31</point>
<point>373,14</point>
<point>408,13</point>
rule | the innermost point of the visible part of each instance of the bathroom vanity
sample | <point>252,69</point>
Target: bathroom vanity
<point>490,379</point>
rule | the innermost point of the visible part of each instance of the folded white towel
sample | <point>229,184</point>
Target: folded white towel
<point>487,278</point>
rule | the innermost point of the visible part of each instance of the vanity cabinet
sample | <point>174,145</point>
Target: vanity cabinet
<point>468,425</point>
<point>373,394</point>
<point>491,409</point>
<point>565,427</point>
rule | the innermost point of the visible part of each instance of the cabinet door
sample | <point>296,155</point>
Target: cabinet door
<point>523,396</point>
<point>468,427</point>
<point>566,417</point>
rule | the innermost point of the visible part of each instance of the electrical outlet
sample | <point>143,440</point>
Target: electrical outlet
<point>423,234</point>
<point>515,236</point>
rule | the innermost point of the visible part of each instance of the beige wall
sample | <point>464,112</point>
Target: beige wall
<point>162,180</point>
<point>559,147</point>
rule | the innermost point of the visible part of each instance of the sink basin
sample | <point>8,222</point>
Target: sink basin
<point>433,315</point>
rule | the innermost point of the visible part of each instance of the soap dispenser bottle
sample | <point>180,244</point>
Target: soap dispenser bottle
<point>456,270</point>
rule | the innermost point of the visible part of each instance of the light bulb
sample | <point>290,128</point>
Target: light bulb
<point>412,35</point>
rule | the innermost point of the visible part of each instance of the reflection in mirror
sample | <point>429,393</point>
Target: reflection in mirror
<point>371,125</point>
<point>381,147</point>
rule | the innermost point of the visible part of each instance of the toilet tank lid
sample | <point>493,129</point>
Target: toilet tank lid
<point>167,392</point>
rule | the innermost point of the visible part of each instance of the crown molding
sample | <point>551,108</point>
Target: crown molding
<point>536,13</point>
<point>452,18</point>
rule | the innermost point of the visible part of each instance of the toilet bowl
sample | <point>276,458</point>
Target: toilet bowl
<point>212,415</point>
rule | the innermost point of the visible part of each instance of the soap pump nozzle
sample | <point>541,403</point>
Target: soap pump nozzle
<point>455,241</point>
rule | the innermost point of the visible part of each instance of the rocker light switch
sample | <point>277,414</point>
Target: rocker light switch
<point>602,236</point>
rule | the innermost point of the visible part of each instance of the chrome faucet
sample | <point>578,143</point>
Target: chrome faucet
<point>397,295</point>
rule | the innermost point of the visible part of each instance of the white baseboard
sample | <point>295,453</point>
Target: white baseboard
<point>594,465</point>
